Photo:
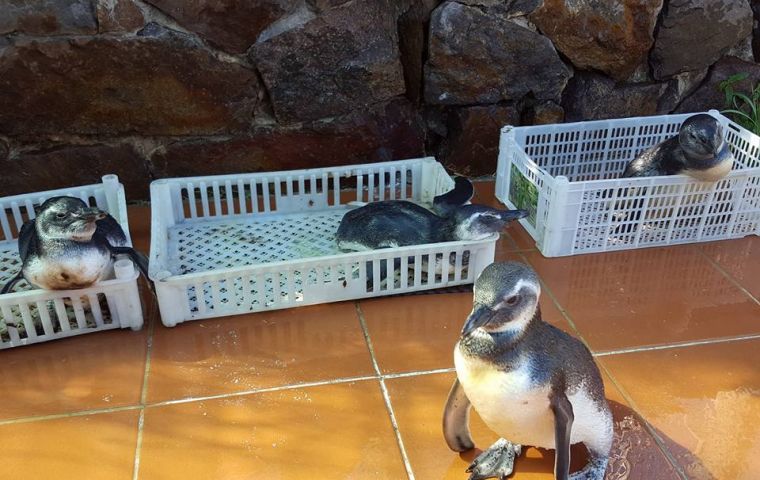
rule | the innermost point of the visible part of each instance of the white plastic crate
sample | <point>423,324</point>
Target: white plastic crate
<point>567,176</point>
<point>30,315</point>
<point>231,244</point>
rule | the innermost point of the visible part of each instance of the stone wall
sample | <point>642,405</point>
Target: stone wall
<point>154,88</point>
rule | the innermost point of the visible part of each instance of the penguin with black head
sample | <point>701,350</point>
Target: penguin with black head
<point>699,150</point>
<point>70,245</point>
<point>530,382</point>
<point>398,223</point>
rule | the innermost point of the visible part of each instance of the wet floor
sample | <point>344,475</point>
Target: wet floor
<point>356,389</point>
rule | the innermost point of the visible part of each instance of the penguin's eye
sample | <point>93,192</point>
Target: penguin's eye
<point>60,215</point>
<point>513,300</point>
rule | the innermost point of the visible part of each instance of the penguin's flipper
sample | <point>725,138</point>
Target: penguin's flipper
<point>456,419</point>
<point>461,194</point>
<point>563,425</point>
<point>12,283</point>
<point>138,258</point>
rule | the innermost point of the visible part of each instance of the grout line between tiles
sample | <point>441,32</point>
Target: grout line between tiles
<point>58,416</point>
<point>652,431</point>
<point>670,346</point>
<point>292,386</point>
<point>418,373</point>
<point>728,276</point>
<point>154,317</point>
<point>384,390</point>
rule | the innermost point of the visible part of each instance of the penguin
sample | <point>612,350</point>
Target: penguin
<point>530,382</point>
<point>70,245</point>
<point>699,150</point>
<point>398,223</point>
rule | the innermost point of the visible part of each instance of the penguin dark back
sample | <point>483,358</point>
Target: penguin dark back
<point>70,245</point>
<point>530,382</point>
<point>395,223</point>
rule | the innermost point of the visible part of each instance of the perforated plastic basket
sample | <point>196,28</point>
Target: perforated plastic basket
<point>30,315</point>
<point>232,244</point>
<point>567,175</point>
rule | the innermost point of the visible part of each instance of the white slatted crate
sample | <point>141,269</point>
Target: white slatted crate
<point>29,315</point>
<point>232,244</point>
<point>567,176</point>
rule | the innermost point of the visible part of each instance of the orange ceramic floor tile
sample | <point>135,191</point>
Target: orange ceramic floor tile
<point>139,226</point>
<point>647,296</point>
<point>706,401</point>
<point>98,447</point>
<point>739,259</point>
<point>266,349</point>
<point>418,405</point>
<point>418,332</point>
<point>99,370</point>
<point>329,431</point>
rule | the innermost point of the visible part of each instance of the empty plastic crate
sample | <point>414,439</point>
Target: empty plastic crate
<point>567,176</point>
<point>30,315</point>
<point>231,244</point>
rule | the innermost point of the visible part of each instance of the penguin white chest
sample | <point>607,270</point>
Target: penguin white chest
<point>508,402</point>
<point>67,272</point>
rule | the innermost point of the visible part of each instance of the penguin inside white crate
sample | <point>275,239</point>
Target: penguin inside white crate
<point>70,245</point>
<point>530,382</point>
<point>699,150</point>
<point>399,223</point>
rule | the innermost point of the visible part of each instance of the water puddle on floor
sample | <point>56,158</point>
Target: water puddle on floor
<point>629,435</point>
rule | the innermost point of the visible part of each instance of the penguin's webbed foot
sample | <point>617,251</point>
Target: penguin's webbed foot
<point>594,470</point>
<point>496,462</point>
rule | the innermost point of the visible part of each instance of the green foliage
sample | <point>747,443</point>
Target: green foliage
<point>523,194</point>
<point>743,108</point>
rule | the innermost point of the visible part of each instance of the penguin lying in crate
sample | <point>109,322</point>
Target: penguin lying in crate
<point>399,223</point>
<point>699,150</point>
<point>530,382</point>
<point>70,245</point>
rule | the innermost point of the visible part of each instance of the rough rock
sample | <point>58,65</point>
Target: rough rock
<point>47,17</point>
<point>544,113</point>
<point>345,59</point>
<point>475,58</point>
<point>693,34</point>
<point>412,29</point>
<point>59,165</point>
<point>709,95</point>
<point>591,96</point>
<point>612,36</point>
<point>119,16</point>
<point>391,132</point>
<point>756,30</point>
<point>472,148</point>
<point>4,150</point>
<point>680,87</point>
<point>139,85</point>
<point>231,25</point>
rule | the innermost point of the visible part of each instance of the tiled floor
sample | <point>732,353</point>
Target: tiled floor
<point>356,389</point>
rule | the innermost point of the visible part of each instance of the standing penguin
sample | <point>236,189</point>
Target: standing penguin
<point>530,382</point>
<point>70,245</point>
<point>398,223</point>
<point>699,150</point>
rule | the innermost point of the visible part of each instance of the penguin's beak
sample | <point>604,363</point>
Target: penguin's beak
<point>91,214</point>
<point>511,215</point>
<point>479,316</point>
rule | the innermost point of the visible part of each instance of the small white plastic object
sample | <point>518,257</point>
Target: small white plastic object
<point>568,176</point>
<point>232,244</point>
<point>29,315</point>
